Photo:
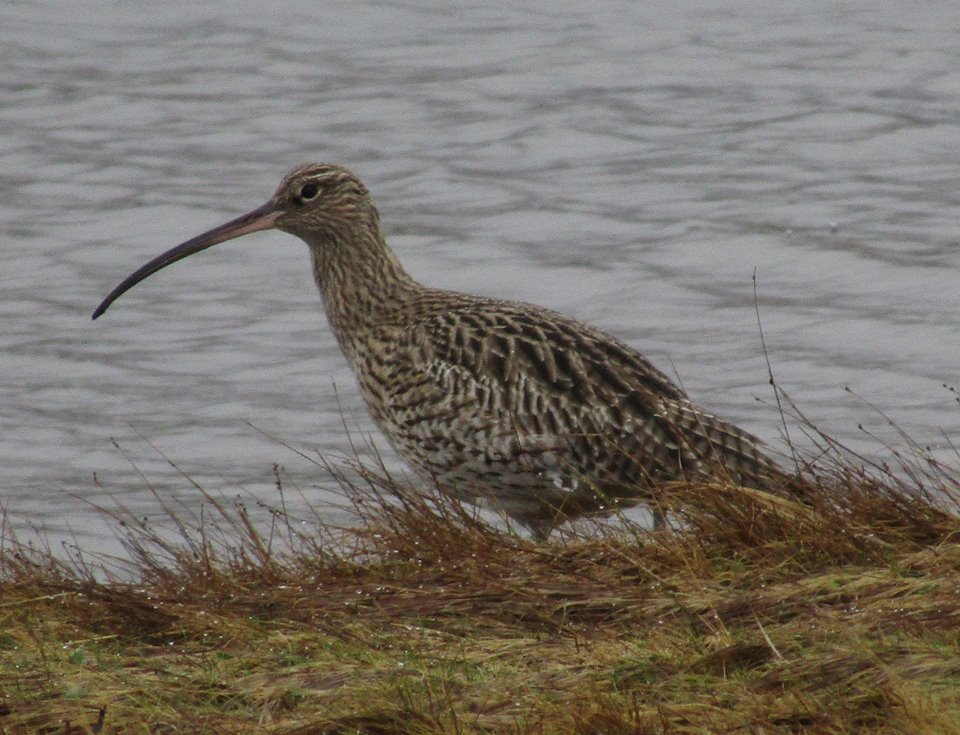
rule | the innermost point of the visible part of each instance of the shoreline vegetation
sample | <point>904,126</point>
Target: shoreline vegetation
<point>744,614</point>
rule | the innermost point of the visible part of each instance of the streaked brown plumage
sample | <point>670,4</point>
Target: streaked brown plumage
<point>545,416</point>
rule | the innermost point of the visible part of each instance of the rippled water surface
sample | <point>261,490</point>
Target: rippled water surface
<point>628,164</point>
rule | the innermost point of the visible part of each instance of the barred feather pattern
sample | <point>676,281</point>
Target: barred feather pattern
<point>544,416</point>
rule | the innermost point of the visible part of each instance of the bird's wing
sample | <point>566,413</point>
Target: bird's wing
<point>527,372</point>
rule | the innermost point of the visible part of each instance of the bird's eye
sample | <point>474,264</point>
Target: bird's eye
<point>309,191</point>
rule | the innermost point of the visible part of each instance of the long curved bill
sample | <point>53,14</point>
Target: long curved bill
<point>261,218</point>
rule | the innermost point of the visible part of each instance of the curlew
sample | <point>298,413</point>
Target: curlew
<point>541,415</point>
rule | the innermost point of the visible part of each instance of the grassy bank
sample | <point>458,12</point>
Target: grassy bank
<point>743,616</point>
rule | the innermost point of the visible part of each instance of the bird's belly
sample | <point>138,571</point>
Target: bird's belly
<point>524,475</point>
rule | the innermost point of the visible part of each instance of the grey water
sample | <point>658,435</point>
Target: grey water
<point>632,164</point>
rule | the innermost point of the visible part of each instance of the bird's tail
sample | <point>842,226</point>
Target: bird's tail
<point>710,446</point>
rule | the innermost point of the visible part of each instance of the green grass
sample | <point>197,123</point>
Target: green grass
<point>747,614</point>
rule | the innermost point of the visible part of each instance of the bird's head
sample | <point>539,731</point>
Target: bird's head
<point>322,203</point>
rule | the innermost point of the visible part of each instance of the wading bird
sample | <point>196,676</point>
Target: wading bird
<point>543,416</point>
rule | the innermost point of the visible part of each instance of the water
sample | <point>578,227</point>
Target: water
<point>627,164</point>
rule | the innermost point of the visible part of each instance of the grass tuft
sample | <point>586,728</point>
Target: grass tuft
<point>745,613</point>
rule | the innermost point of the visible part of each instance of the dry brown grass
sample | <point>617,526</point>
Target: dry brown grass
<point>745,615</point>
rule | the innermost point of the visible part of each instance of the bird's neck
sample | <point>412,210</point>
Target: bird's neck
<point>365,289</point>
